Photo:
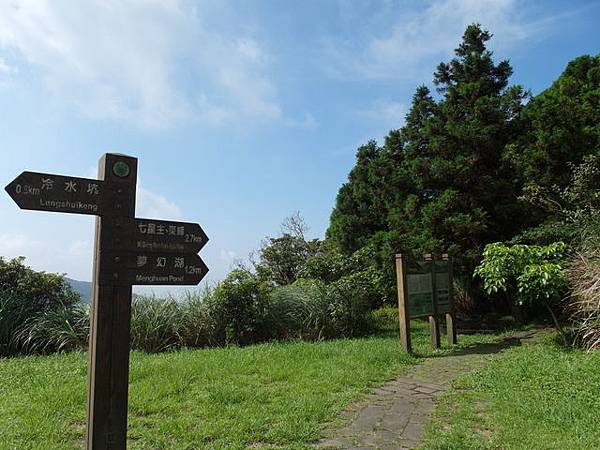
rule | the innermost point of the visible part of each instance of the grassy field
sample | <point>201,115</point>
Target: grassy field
<point>539,396</point>
<point>263,396</point>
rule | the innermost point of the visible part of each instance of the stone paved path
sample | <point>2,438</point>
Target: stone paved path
<point>393,416</point>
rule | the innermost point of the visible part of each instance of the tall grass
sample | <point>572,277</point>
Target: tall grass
<point>14,312</point>
<point>584,301</point>
<point>61,329</point>
<point>155,324</point>
<point>240,313</point>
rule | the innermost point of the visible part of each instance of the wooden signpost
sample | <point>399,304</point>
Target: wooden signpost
<point>425,289</point>
<point>127,251</point>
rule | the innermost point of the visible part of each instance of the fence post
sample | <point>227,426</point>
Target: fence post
<point>403,303</point>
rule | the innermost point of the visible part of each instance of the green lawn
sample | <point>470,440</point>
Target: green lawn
<point>265,396</point>
<point>537,396</point>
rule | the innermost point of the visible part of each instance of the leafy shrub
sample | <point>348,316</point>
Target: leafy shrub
<point>350,303</point>
<point>243,297</point>
<point>532,274</point>
<point>332,266</point>
<point>41,290</point>
<point>386,318</point>
<point>25,294</point>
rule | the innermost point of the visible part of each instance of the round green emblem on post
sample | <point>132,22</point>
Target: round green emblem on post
<point>121,169</point>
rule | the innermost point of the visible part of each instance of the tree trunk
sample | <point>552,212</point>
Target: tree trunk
<point>557,325</point>
<point>517,312</point>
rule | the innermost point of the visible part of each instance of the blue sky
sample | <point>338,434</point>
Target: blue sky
<point>240,112</point>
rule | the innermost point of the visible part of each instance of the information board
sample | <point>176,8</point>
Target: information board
<point>425,290</point>
<point>420,288</point>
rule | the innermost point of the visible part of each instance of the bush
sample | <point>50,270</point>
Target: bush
<point>313,310</point>
<point>331,267</point>
<point>26,294</point>
<point>386,318</point>
<point>243,297</point>
<point>531,274</point>
<point>14,312</point>
<point>350,304</point>
<point>243,309</point>
<point>287,312</point>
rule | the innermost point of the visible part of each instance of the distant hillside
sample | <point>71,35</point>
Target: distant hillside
<point>84,288</point>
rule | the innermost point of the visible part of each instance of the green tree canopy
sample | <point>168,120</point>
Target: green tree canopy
<point>564,125</point>
<point>441,183</point>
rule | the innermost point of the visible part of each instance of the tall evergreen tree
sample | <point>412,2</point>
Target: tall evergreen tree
<point>440,183</point>
<point>564,125</point>
<point>468,195</point>
<point>360,209</point>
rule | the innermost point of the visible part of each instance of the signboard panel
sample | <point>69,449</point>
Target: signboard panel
<point>151,235</point>
<point>48,192</point>
<point>420,295</point>
<point>419,286</point>
<point>139,268</point>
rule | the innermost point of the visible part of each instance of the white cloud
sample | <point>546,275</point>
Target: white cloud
<point>153,63</point>
<point>406,49</point>
<point>150,204</point>
<point>6,69</point>
<point>13,245</point>
<point>81,248</point>
<point>229,256</point>
<point>308,122</point>
<point>387,113</point>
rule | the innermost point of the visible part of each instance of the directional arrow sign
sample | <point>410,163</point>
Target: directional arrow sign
<point>151,235</point>
<point>127,251</point>
<point>155,268</point>
<point>47,192</point>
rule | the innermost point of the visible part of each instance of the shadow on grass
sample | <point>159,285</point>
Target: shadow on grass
<point>487,348</point>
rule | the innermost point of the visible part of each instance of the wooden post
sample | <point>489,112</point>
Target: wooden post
<point>403,303</point>
<point>108,363</point>
<point>127,251</point>
<point>450,323</point>
<point>434,325</point>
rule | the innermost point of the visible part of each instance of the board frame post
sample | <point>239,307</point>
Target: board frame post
<point>108,355</point>
<point>434,324</point>
<point>403,313</point>
<point>450,316</point>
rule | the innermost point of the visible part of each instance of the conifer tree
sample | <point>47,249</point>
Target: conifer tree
<point>442,182</point>
<point>455,152</point>
<point>564,125</point>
